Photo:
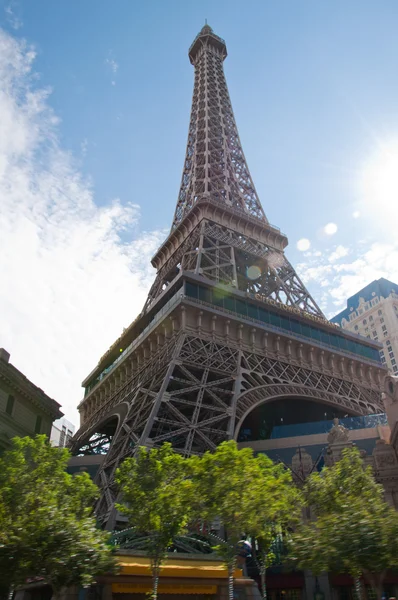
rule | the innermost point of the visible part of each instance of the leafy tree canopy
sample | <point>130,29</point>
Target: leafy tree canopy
<point>157,498</point>
<point>46,524</point>
<point>245,492</point>
<point>354,530</point>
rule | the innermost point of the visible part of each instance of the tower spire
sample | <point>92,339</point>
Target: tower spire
<point>215,168</point>
<point>234,244</point>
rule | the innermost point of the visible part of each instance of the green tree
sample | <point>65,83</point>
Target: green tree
<point>270,547</point>
<point>157,497</point>
<point>354,530</point>
<point>246,493</point>
<point>46,524</point>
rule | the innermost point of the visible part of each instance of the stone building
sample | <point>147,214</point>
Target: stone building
<point>25,410</point>
<point>373,313</point>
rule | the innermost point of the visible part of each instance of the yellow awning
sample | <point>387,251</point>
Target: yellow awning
<point>176,567</point>
<point>142,588</point>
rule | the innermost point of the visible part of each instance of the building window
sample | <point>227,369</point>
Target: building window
<point>374,334</point>
<point>62,436</point>
<point>385,333</point>
<point>38,424</point>
<point>381,353</point>
<point>393,362</point>
<point>391,354</point>
<point>364,321</point>
<point>395,369</point>
<point>379,312</point>
<point>10,405</point>
<point>384,328</point>
<point>69,436</point>
<point>366,329</point>
<point>360,311</point>
<point>370,318</point>
<point>388,343</point>
<point>381,320</point>
<point>356,327</point>
<point>383,360</point>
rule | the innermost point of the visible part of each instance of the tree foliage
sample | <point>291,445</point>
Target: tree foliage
<point>354,530</point>
<point>157,498</point>
<point>249,495</point>
<point>46,524</point>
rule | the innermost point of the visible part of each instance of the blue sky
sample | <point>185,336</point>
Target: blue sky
<point>94,119</point>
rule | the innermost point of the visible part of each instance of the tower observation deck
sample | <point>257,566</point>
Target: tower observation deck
<point>228,325</point>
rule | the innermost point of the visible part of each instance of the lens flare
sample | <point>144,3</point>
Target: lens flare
<point>253,272</point>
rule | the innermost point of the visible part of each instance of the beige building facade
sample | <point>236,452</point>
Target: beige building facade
<point>25,410</point>
<point>373,313</point>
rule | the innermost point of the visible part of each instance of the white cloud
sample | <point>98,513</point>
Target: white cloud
<point>356,214</point>
<point>340,252</point>
<point>70,283</point>
<point>11,10</point>
<point>334,282</point>
<point>112,64</point>
<point>303,244</point>
<point>84,147</point>
<point>330,229</point>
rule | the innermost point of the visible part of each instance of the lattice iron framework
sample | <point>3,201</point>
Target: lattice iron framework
<point>225,256</point>
<point>215,165</point>
<point>192,373</point>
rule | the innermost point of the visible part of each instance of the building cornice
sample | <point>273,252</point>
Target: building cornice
<point>16,380</point>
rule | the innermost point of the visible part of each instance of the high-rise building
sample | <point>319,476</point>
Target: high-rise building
<point>230,343</point>
<point>373,313</point>
<point>25,410</point>
<point>62,432</point>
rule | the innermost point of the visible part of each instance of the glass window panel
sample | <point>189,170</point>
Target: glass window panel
<point>38,424</point>
<point>263,315</point>
<point>191,289</point>
<point>315,334</point>
<point>306,329</point>
<point>229,303</point>
<point>295,326</point>
<point>252,311</point>
<point>285,323</point>
<point>205,294</point>
<point>10,405</point>
<point>274,319</point>
<point>218,297</point>
<point>241,307</point>
<point>343,343</point>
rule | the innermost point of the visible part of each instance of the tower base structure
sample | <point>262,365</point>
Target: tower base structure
<point>205,360</point>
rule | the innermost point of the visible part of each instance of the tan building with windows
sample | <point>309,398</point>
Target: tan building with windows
<point>62,431</point>
<point>373,313</point>
<point>25,410</point>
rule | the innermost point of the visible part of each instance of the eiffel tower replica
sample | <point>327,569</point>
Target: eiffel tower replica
<point>228,325</point>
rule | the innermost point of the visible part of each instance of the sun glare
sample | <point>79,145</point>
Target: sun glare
<point>379,180</point>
